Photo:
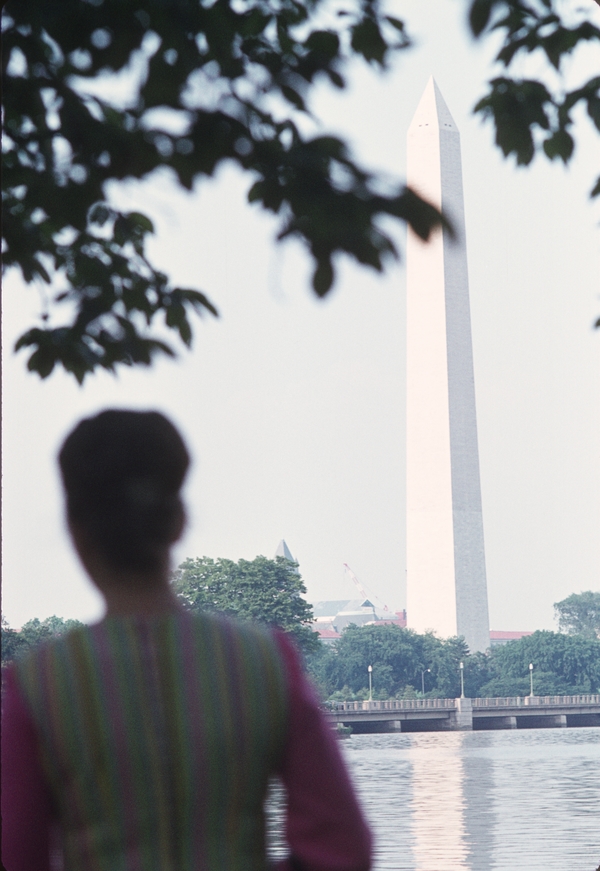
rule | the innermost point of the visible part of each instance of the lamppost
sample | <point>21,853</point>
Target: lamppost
<point>462,680</point>
<point>531,679</point>
<point>423,670</point>
<point>370,670</point>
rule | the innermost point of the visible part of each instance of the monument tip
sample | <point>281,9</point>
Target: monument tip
<point>432,111</point>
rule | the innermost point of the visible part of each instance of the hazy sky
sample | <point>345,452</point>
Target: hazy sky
<point>294,408</point>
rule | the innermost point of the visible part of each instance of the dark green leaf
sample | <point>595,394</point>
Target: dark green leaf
<point>41,270</point>
<point>395,22</point>
<point>517,106</point>
<point>141,222</point>
<point>323,42</point>
<point>323,277</point>
<point>420,215</point>
<point>368,41</point>
<point>121,230</point>
<point>336,79</point>
<point>42,361</point>
<point>197,299</point>
<point>293,97</point>
<point>256,192</point>
<point>100,214</point>
<point>479,15</point>
<point>560,144</point>
<point>593,107</point>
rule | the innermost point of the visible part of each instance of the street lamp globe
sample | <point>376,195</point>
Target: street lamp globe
<point>531,679</point>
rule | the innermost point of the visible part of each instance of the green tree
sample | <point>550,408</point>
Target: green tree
<point>499,687</point>
<point>579,614</point>
<point>392,652</point>
<point>545,683</point>
<point>13,643</point>
<point>447,656</point>
<point>215,82</point>
<point>563,664</point>
<point>263,590</point>
<point>16,643</point>
<point>478,671</point>
<point>398,657</point>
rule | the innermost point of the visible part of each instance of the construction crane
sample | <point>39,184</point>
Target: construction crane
<point>361,589</point>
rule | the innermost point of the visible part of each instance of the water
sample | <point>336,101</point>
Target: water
<point>481,801</point>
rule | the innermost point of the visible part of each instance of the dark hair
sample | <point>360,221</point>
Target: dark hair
<point>122,472</point>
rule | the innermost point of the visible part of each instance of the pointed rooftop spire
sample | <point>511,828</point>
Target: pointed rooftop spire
<point>432,111</point>
<point>284,551</point>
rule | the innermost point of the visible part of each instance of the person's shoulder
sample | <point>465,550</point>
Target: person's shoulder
<point>49,648</point>
<point>227,623</point>
<point>234,629</point>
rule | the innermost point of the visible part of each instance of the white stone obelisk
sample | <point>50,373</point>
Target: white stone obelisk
<point>446,579</point>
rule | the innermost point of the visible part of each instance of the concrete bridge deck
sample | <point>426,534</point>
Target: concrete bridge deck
<point>426,715</point>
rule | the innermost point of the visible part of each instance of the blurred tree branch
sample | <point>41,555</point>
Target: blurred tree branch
<point>208,83</point>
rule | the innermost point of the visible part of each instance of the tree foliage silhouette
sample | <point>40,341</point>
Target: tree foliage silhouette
<point>211,82</point>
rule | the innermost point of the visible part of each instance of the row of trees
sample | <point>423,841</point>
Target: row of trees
<point>262,590</point>
<point>402,661</point>
<point>34,632</point>
<point>405,664</point>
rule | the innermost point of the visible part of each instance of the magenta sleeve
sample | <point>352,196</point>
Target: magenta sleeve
<point>326,830</point>
<point>26,804</point>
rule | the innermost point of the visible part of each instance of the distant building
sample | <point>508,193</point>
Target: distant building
<point>399,619</point>
<point>284,551</point>
<point>326,611</point>
<point>327,636</point>
<point>498,637</point>
<point>341,613</point>
<point>357,611</point>
<point>332,617</point>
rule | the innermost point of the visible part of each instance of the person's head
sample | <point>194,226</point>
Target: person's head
<point>122,472</point>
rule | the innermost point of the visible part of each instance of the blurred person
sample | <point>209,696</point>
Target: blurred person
<point>147,741</point>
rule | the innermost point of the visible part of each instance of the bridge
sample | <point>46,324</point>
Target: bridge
<point>432,715</point>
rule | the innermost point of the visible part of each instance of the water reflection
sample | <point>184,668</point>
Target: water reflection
<point>481,801</point>
<point>437,825</point>
<point>547,793</point>
<point>382,773</point>
<point>477,801</point>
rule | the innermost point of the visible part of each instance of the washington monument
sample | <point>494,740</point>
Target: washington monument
<point>447,588</point>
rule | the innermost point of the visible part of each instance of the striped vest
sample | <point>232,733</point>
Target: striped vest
<point>158,736</point>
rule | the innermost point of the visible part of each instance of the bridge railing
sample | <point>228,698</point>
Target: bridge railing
<point>432,704</point>
<point>533,701</point>
<point>392,705</point>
